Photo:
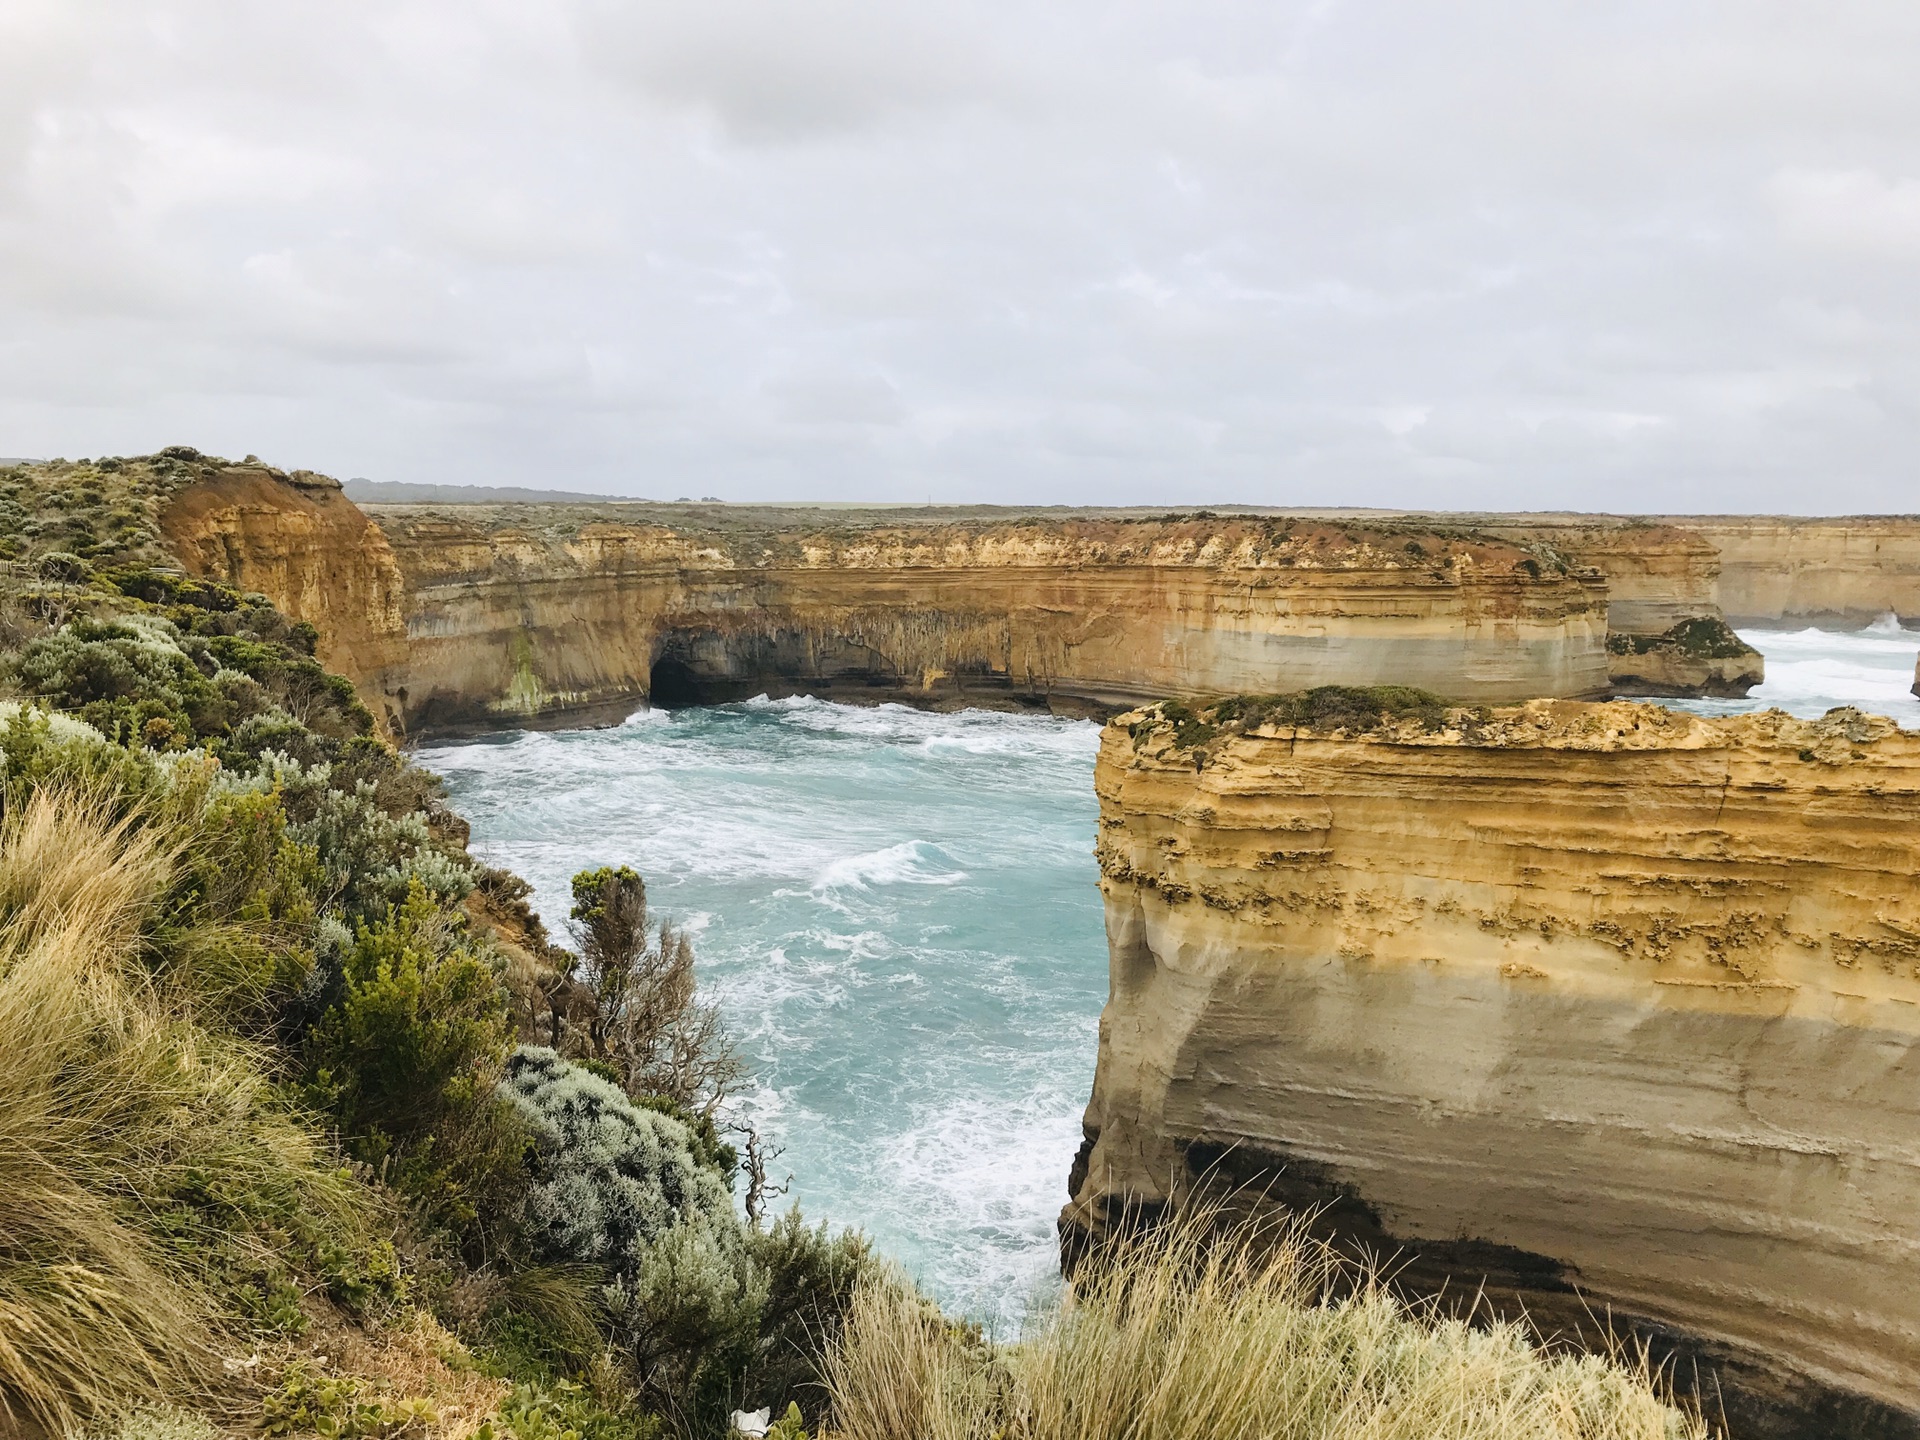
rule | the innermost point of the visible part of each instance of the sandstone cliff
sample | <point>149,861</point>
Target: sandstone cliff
<point>297,539</point>
<point>1608,1008</point>
<point>1666,632</point>
<point>532,613</point>
<point>1839,571</point>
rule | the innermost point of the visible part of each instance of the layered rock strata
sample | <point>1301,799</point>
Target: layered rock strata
<point>560,614</point>
<point>1839,572</point>
<point>1595,1010</point>
<point>1666,631</point>
<point>294,537</point>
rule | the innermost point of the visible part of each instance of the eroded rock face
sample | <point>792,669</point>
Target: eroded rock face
<point>297,539</point>
<point>561,613</point>
<point>1840,571</point>
<point>1666,632</point>
<point>1609,1008</point>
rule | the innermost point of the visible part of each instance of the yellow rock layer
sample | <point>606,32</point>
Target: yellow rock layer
<point>1847,570</point>
<point>557,611</point>
<point>297,539</point>
<point>1615,1007</point>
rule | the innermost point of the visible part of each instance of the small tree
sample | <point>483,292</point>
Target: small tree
<point>637,1001</point>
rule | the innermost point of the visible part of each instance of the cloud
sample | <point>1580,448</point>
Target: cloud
<point>1852,212</point>
<point>1377,252</point>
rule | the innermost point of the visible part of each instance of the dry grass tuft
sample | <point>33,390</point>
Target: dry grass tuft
<point>89,1318</point>
<point>1188,1335</point>
<point>111,1102</point>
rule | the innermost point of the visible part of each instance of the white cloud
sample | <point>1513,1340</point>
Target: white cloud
<point>1849,211</point>
<point>1485,254</point>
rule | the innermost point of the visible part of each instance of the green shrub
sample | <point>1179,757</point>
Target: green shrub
<point>564,1410</point>
<point>621,1188</point>
<point>337,1408</point>
<point>404,1059</point>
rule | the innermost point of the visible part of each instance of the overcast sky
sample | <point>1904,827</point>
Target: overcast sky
<point>1645,254</point>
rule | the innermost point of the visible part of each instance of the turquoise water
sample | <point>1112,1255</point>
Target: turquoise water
<point>897,911</point>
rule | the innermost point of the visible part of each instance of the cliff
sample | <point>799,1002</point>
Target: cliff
<point>1666,631</point>
<point>543,614</point>
<point>294,537</point>
<point>1610,1010</point>
<point>1844,571</point>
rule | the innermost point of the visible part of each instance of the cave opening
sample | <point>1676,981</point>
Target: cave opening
<point>674,683</point>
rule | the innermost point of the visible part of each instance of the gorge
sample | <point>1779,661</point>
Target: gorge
<point>1726,1170</point>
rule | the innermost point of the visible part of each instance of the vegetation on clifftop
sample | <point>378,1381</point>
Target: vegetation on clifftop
<point>269,1149</point>
<point>1190,1332</point>
<point>1325,708</point>
<point>1701,637</point>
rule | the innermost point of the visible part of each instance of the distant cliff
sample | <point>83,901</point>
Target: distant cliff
<point>1835,571</point>
<point>525,612</point>
<point>478,616</point>
<point>1607,1008</point>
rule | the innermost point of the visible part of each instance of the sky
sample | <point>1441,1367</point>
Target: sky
<point>1641,255</point>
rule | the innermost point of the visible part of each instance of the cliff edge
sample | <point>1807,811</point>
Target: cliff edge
<point>296,538</point>
<point>1600,1009</point>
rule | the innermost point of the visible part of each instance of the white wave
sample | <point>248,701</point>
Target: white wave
<point>867,945</point>
<point>993,1168</point>
<point>1889,624</point>
<point>911,862</point>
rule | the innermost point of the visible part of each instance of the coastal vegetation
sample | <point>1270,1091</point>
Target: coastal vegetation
<point>1203,1328</point>
<point>307,1126</point>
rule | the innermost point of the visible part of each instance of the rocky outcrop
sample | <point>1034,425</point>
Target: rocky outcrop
<point>294,537</point>
<point>555,614</point>
<point>1666,633</point>
<point>1595,1010</point>
<point>1701,656</point>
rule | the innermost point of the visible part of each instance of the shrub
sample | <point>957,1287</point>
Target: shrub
<point>405,1058</point>
<point>635,1009</point>
<point>622,1188</point>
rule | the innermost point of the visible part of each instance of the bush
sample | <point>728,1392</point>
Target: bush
<point>636,1010</point>
<point>405,1057</point>
<point>144,1162</point>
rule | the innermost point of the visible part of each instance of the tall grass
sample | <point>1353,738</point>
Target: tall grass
<point>1190,1334</point>
<point>88,1314</point>
<point>112,1104</point>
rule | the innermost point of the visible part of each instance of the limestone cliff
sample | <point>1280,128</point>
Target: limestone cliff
<point>1612,1009</point>
<point>297,539</point>
<point>1836,571</point>
<point>531,613</point>
<point>1666,632</point>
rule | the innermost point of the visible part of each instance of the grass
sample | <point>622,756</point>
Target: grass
<point>89,1316</point>
<point>1190,1333</point>
<point>144,1162</point>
